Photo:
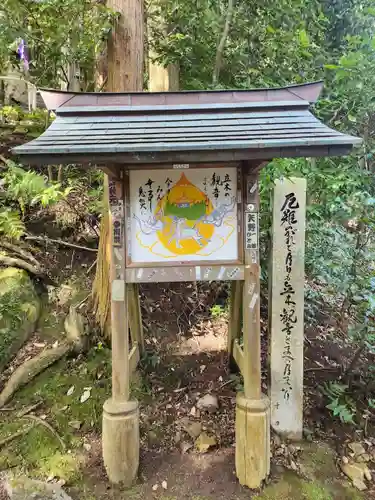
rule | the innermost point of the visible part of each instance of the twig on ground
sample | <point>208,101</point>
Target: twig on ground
<point>83,301</point>
<point>91,267</point>
<point>323,368</point>
<point>226,383</point>
<point>60,242</point>
<point>72,259</point>
<point>14,436</point>
<point>28,409</point>
<point>47,426</point>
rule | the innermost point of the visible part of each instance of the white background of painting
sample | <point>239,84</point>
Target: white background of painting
<point>139,255</point>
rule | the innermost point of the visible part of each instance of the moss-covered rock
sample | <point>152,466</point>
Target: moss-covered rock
<point>19,311</point>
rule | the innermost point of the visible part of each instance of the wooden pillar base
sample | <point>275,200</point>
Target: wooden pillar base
<point>120,441</point>
<point>252,440</point>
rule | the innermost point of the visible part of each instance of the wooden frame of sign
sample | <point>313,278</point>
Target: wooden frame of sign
<point>152,225</point>
<point>204,222</point>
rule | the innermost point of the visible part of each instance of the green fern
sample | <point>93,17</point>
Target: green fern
<point>11,224</point>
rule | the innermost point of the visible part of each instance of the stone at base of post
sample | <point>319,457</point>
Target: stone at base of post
<point>120,441</point>
<point>252,440</point>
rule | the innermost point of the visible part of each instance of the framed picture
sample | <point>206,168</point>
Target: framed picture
<point>184,216</point>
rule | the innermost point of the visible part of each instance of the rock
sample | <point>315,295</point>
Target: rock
<point>164,485</point>
<point>357,448</point>
<point>75,424</point>
<point>364,458</point>
<point>153,438</point>
<point>20,309</point>
<point>345,460</point>
<point>293,465</point>
<point>192,428</point>
<point>366,471</point>
<point>205,442</point>
<point>74,325</point>
<point>208,403</point>
<point>360,485</point>
<point>186,446</point>
<point>29,489</point>
<point>356,472</point>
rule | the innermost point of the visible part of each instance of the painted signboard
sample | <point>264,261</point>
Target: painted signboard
<point>179,215</point>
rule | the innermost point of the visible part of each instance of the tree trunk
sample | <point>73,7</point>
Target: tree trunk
<point>221,46</point>
<point>125,47</point>
<point>125,74</point>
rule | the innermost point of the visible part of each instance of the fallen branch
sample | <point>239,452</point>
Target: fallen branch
<point>44,239</point>
<point>45,424</point>
<point>32,367</point>
<point>28,409</point>
<point>20,251</point>
<point>22,264</point>
<point>14,436</point>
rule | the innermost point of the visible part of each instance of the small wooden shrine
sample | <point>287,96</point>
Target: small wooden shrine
<point>184,201</point>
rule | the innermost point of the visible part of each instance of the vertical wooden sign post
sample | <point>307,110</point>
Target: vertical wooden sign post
<point>287,304</point>
<point>252,408</point>
<point>120,415</point>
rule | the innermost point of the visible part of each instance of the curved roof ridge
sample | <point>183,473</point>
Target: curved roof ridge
<point>55,99</point>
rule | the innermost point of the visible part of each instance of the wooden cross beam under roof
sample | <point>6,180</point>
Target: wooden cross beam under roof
<point>184,127</point>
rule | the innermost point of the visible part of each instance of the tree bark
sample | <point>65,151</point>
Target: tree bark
<point>125,47</point>
<point>221,46</point>
<point>125,74</point>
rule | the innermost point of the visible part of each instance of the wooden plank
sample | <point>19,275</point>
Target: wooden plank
<point>155,117</point>
<point>183,148</point>
<point>238,356</point>
<point>235,319</point>
<point>251,291</point>
<point>178,126</point>
<point>171,141</point>
<point>287,306</point>
<point>183,122</point>
<point>187,273</point>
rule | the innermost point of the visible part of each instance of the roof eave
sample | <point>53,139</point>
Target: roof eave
<point>198,156</point>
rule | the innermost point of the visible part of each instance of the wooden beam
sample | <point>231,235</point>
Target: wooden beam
<point>251,291</point>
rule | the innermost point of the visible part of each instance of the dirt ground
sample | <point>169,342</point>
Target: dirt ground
<point>186,334</point>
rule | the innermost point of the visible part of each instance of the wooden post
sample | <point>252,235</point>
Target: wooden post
<point>252,408</point>
<point>120,416</point>
<point>287,307</point>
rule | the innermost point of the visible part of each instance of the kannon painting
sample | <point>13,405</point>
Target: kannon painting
<point>188,215</point>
